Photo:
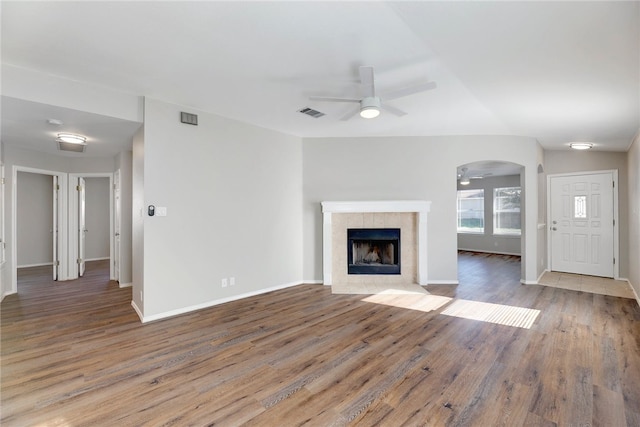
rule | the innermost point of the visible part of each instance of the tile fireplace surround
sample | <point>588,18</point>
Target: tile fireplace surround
<point>408,215</point>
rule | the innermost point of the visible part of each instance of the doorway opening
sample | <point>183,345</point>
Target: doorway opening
<point>39,226</point>
<point>490,215</point>
<point>91,221</point>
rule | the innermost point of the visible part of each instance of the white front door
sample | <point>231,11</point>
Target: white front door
<point>82,226</point>
<point>582,213</point>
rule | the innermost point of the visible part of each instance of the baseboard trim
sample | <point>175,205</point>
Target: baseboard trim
<point>138,311</point>
<point>313,282</point>
<point>125,285</point>
<point>634,291</point>
<point>44,264</point>
<point>442,282</point>
<point>172,313</point>
<point>489,252</point>
<point>7,293</point>
<point>533,282</point>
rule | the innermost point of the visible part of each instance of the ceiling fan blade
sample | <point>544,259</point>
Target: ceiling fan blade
<point>409,91</point>
<point>366,78</point>
<point>330,99</point>
<point>349,115</point>
<point>393,110</point>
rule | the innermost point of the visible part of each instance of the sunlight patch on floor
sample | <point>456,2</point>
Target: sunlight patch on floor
<point>508,315</point>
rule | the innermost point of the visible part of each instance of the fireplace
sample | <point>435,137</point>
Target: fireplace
<point>373,251</point>
<point>410,217</point>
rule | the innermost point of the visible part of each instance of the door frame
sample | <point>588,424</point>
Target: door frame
<point>616,225</point>
<point>62,221</point>
<point>72,263</point>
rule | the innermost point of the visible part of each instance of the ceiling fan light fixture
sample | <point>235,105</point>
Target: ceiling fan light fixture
<point>370,107</point>
<point>464,181</point>
<point>581,145</point>
<point>71,138</point>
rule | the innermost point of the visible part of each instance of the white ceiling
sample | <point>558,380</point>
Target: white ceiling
<point>555,71</point>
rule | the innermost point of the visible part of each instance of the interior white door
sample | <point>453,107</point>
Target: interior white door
<point>54,227</point>
<point>582,224</point>
<point>82,226</point>
<point>116,225</point>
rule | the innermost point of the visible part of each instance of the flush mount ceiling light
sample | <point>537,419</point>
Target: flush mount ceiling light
<point>71,142</point>
<point>581,145</point>
<point>71,138</point>
<point>370,107</point>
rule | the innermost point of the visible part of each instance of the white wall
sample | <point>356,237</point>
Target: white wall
<point>410,168</point>
<point>584,161</point>
<point>123,163</point>
<point>233,194</point>
<point>487,241</point>
<point>97,211</point>
<point>137,222</point>
<point>35,219</point>
<point>633,165</point>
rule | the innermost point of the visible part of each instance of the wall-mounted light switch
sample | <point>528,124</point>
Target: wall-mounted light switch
<point>161,211</point>
<point>224,283</point>
<point>232,281</point>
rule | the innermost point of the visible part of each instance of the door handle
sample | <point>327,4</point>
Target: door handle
<point>554,228</point>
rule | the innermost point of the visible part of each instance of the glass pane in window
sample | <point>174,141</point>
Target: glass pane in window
<point>506,210</point>
<point>471,211</point>
<point>580,207</point>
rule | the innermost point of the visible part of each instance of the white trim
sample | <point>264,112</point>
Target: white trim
<point>208,304</point>
<point>443,282</point>
<point>616,227</point>
<point>490,252</point>
<point>137,310</point>
<point>62,222</point>
<point>97,259</point>
<point>634,291</point>
<point>73,221</point>
<point>377,206</point>
<point>125,285</point>
<point>313,282</point>
<point>421,207</point>
<point>41,264</point>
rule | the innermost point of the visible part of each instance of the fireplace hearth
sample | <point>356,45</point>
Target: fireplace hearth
<point>373,251</point>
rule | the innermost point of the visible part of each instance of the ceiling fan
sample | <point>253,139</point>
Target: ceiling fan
<point>465,179</point>
<point>370,103</point>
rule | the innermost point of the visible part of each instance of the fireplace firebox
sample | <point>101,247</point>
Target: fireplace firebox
<point>373,251</point>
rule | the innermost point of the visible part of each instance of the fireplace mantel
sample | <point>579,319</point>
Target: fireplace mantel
<point>420,207</point>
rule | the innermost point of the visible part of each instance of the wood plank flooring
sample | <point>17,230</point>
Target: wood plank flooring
<point>75,354</point>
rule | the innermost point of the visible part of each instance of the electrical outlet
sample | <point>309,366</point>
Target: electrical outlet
<point>232,281</point>
<point>224,283</point>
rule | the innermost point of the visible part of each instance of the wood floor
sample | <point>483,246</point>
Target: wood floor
<point>75,354</point>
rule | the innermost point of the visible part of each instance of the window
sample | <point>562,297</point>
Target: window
<point>471,211</point>
<point>506,211</point>
<point>579,207</point>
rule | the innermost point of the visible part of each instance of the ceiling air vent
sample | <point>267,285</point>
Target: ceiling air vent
<point>311,112</point>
